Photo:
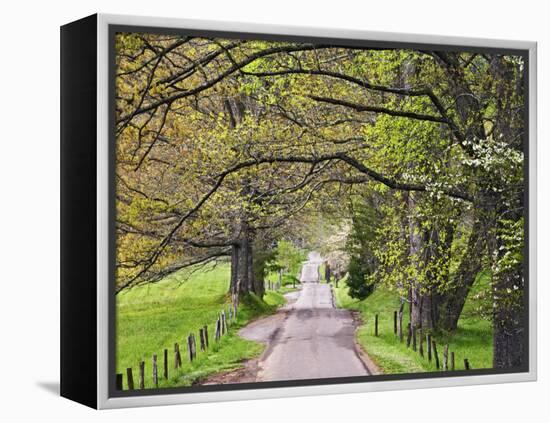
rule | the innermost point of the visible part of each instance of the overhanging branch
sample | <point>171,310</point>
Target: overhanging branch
<point>391,183</point>
<point>382,110</point>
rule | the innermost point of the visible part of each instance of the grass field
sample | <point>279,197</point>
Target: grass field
<point>472,340</point>
<point>154,317</point>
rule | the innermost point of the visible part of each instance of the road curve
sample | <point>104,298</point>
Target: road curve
<point>307,339</point>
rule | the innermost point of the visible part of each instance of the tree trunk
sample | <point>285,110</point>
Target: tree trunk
<point>241,263</point>
<point>437,252</point>
<point>239,269</point>
<point>508,295</point>
<point>509,318</point>
<point>242,274</point>
<point>259,259</point>
<point>420,298</point>
<point>452,302</point>
<point>508,323</point>
<point>247,264</point>
<point>234,286</point>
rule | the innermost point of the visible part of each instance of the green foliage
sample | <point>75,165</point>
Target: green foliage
<point>290,280</point>
<point>472,340</point>
<point>359,283</point>
<point>289,258</point>
<point>274,299</point>
<point>263,256</point>
<point>422,145</point>
<point>510,234</point>
<point>360,244</point>
<point>154,317</point>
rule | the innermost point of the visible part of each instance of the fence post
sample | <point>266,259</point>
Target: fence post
<point>445,357</point>
<point>142,375</point>
<point>420,343</point>
<point>177,356</point>
<point>118,382</point>
<point>429,345</point>
<point>452,360</point>
<point>165,363</point>
<point>376,325</point>
<point>130,378</point>
<point>400,314</point>
<point>190,347</point>
<point>201,339</point>
<point>414,339</point>
<point>206,335</point>
<point>217,334</point>
<point>155,372</point>
<point>409,334</point>
<point>436,356</point>
<point>466,364</point>
<point>395,322</point>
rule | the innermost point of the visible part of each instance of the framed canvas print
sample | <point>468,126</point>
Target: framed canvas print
<point>254,211</point>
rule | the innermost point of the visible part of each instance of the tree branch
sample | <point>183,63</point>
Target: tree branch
<point>284,159</point>
<point>232,69</point>
<point>374,87</point>
<point>382,110</point>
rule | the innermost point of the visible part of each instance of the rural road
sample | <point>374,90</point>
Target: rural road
<point>310,269</point>
<point>308,338</point>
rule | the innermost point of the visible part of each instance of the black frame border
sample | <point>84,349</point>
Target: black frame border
<point>78,211</point>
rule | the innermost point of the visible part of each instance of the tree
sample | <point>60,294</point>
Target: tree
<point>289,258</point>
<point>360,247</point>
<point>221,144</point>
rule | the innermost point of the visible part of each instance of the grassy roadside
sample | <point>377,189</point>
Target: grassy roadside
<point>472,340</point>
<point>286,285</point>
<point>152,318</point>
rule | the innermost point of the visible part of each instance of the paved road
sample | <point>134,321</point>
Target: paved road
<point>310,269</point>
<point>307,339</point>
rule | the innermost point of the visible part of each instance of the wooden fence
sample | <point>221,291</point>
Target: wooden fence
<point>225,318</point>
<point>415,341</point>
<point>272,286</point>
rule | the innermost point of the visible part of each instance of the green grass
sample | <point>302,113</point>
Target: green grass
<point>472,340</point>
<point>272,277</point>
<point>287,285</point>
<point>154,317</point>
<point>275,298</point>
<point>321,270</point>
